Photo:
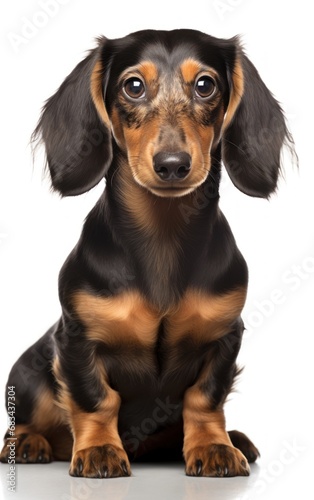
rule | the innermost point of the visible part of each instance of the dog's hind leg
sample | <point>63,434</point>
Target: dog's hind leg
<point>37,430</point>
<point>244,444</point>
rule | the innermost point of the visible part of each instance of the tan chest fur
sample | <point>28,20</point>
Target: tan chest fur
<point>130,319</point>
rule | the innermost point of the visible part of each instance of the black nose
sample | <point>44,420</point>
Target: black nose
<point>172,166</point>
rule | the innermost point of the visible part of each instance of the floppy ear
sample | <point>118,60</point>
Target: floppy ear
<point>254,132</point>
<point>75,129</point>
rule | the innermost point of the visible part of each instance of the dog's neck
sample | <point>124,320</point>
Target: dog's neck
<point>156,216</point>
<point>161,235</point>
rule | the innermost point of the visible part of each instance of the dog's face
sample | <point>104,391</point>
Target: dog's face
<point>170,102</point>
<point>167,105</point>
<point>166,119</point>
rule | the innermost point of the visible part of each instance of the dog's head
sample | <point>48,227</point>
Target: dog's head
<point>171,101</point>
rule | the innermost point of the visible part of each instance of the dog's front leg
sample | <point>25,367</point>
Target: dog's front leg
<point>97,449</point>
<point>92,408</point>
<point>208,450</point>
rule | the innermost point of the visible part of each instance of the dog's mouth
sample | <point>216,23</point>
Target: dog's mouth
<point>172,191</point>
<point>170,188</point>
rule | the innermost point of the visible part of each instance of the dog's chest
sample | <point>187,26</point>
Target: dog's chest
<point>130,322</point>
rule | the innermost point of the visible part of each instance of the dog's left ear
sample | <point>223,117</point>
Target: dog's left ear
<point>254,131</point>
<point>75,128</point>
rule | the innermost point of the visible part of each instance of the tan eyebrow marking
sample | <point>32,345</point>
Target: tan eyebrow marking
<point>146,69</point>
<point>190,68</point>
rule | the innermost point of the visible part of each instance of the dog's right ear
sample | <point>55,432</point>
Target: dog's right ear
<point>75,128</point>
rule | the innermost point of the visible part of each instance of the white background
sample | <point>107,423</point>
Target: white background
<point>38,229</point>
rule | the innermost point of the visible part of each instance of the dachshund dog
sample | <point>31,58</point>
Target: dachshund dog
<point>144,355</point>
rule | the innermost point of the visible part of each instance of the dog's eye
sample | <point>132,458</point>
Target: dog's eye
<point>134,88</point>
<point>205,86</point>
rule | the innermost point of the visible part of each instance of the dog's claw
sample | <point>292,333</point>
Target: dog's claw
<point>124,468</point>
<point>25,452</point>
<point>80,466</point>
<point>199,466</point>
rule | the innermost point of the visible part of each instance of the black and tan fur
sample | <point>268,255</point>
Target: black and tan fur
<point>144,355</point>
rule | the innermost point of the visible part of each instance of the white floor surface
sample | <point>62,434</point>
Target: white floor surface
<point>152,482</point>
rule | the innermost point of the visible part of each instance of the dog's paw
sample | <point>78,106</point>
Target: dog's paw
<point>100,461</point>
<point>244,444</point>
<point>27,449</point>
<point>216,460</point>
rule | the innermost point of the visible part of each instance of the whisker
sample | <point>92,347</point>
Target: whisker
<point>114,173</point>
